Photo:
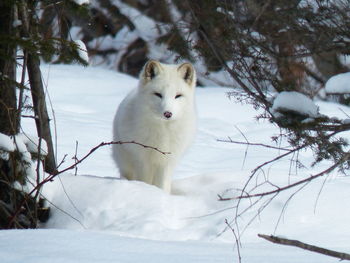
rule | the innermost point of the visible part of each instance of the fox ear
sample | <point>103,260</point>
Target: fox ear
<point>188,73</point>
<point>151,70</point>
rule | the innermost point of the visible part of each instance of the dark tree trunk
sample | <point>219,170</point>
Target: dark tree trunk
<point>42,118</point>
<point>8,122</point>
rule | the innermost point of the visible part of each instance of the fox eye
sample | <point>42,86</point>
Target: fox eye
<point>178,96</point>
<point>158,94</point>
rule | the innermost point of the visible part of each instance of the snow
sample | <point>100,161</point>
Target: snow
<point>145,27</point>
<point>338,84</point>
<point>62,246</point>
<point>81,2</point>
<point>24,143</point>
<point>101,247</point>
<point>6,146</point>
<point>6,143</point>
<point>295,102</point>
<point>17,23</point>
<point>97,217</point>
<point>82,51</point>
<point>32,143</point>
<point>346,121</point>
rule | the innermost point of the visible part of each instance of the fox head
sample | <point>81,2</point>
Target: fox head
<point>169,89</point>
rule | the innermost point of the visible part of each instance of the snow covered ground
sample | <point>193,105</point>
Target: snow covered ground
<point>97,217</point>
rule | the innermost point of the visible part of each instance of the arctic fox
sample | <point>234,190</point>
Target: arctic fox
<point>160,113</point>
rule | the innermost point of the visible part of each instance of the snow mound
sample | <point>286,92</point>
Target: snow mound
<point>137,209</point>
<point>338,84</point>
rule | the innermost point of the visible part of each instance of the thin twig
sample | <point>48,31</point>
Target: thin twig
<point>246,149</point>
<point>237,240</point>
<point>75,158</point>
<point>64,212</point>
<point>21,90</point>
<point>254,144</point>
<point>62,161</point>
<point>69,199</point>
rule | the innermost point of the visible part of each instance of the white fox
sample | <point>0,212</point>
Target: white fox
<point>160,113</point>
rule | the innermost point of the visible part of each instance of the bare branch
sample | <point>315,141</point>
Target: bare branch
<point>254,144</point>
<point>299,244</point>
<point>102,144</point>
<point>280,189</point>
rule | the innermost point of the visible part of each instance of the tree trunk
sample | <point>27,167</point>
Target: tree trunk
<point>8,122</point>
<point>42,120</point>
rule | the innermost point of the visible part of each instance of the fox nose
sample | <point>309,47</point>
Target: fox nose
<point>167,114</point>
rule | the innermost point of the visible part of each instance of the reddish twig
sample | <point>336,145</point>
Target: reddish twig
<point>102,144</point>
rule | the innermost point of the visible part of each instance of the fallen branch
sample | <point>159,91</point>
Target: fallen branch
<point>296,243</point>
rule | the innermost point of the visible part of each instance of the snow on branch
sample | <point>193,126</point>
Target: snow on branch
<point>338,84</point>
<point>294,102</point>
<point>82,2</point>
<point>6,143</point>
<point>82,51</point>
<point>22,143</point>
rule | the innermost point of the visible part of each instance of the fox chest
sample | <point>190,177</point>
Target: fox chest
<point>163,137</point>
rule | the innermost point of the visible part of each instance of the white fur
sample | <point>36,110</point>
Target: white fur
<point>140,118</point>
